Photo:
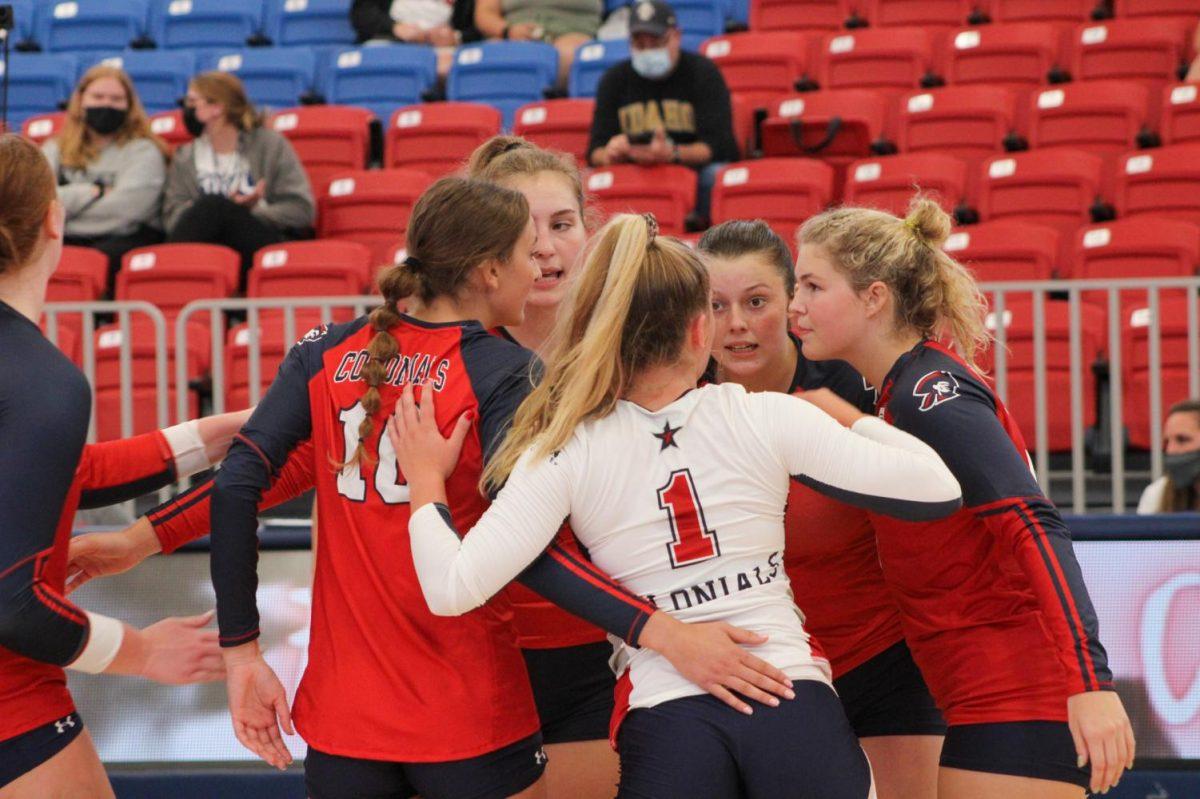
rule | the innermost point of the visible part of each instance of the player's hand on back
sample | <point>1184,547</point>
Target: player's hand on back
<point>257,704</point>
<point>423,453</point>
<point>713,656</point>
<point>1103,736</point>
<point>103,554</point>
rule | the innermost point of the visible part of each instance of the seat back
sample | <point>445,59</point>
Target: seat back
<point>372,207</point>
<point>592,60</point>
<point>506,75</point>
<point>205,23</point>
<point>315,22</point>
<point>42,127</point>
<point>328,139</point>
<point>1161,182</point>
<point>1181,115</point>
<point>889,184</point>
<point>274,77</point>
<point>1130,49</point>
<point>895,59</point>
<point>74,25</point>
<point>1055,187</point>
<point>172,275</point>
<point>796,15</point>
<point>667,191</point>
<point>564,125</point>
<point>161,76</point>
<point>1006,250</point>
<point>1016,55</point>
<point>781,191</point>
<point>38,83</point>
<point>326,267</point>
<point>759,63</point>
<point>437,138</point>
<point>381,78</point>
<point>1101,117</point>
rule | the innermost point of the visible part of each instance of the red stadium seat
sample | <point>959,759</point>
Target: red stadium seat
<point>372,207</point>
<point>42,127</point>
<point>328,139</point>
<point>168,126</point>
<point>796,15</point>
<point>967,122</point>
<point>1181,115</point>
<point>1161,181</point>
<point>1041,10</point>
<point>898,13</point>
<point>1006,250</point>
<point>843,124</point>
<point>781,191</point>
<point>1020,365</point>
<point>1017,55</point>
<point>272,347</point>
<point>564,125</point>
<point>325,267</point>
<point>744,112</point>
<point>895,59</point>
<point>667,191</point>
<point>172,275</point>
<point>81,276</point>
<point>438,137</point>
<point>1187,10</point>
<point>1130,49</point>
<point>1135,362</point>
<point>1135,248</point>
<point>890,183</point>
<point>759,66</point>
<point>1102,117</point>
<point>1055,187</point>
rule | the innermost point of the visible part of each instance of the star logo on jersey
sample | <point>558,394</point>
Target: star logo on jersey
<point>935,388</point>
<point>667,436</point>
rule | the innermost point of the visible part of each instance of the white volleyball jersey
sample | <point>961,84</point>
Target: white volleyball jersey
<point>684,506</point>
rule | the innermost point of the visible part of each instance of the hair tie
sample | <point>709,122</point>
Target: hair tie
<point>412,263</point>
<point>915,227</point>
<point>512,145</point>
<point>651,227</point>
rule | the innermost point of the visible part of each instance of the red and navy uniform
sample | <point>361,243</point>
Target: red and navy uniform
<point>387,679</point>
<point>992,599</point>
<point>48,473</point>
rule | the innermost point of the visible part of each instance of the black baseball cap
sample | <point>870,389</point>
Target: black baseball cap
<point>651,16</point>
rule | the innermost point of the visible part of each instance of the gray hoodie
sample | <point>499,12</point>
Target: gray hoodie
<point>133,174</point>
<point>288,204</point>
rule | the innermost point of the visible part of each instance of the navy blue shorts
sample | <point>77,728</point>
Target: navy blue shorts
<point>573,690</point>
<point>887,696</point>
<point>1040,749</point>
<point>700,748</point>
<point>496,775</point>
<point>25,752</point>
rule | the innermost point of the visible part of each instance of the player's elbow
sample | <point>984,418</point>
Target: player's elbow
<point>449,603</point>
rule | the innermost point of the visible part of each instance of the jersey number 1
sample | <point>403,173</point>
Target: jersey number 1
<point>388,481</point>
<point>693,541</point>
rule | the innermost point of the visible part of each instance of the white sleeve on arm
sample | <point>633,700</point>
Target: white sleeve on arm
<point>460,575</point>
<point>872,465</point>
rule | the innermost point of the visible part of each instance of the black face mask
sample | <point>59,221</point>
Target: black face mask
<point>104,119</point>
<point>1183,468</point>
<point>193,125</point>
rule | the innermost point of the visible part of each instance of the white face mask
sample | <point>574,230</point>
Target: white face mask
<point>652,64</point>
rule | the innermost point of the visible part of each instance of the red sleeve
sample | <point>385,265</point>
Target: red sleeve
<point>116,471</point>
<point>187,516</point>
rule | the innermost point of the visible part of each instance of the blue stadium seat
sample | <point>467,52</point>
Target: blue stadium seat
<point>699,20</point>
<point>74,25</point>
<point>592,60</point>
<point>205,23</point>
<point>38,83</point>
<point>320,22</point>
<point>23,27</point>
<point>160,76</point>
<point>738,11</point>
<point>506,75</point>
<point>381,78</point>
<point>273,76</point>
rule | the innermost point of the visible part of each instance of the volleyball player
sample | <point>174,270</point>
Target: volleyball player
<point>830,554</point>
<point>678,493</point>
<point>992,600</point>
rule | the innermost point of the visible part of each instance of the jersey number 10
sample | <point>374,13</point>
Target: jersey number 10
<point>693,541</point>
<point>388,481</point>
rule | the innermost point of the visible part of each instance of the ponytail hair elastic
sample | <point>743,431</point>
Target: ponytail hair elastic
<point>651,227</point>
<point>412,263</point>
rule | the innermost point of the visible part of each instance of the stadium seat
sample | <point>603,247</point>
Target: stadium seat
<point>309,22</point>
<point>592,60</point>
<point>781,191</point>
<point>1020,366</point>
<point>275,77</point>
<point>372,207</point>
<point>889,183</point>
<point>38,83</point>
<point>1161,182</point>
<point>796,15</point>
<point>895,59</point>
<point>1006,250</point>
<point>1102,117</point>
<point>699,20</point>
<point>668,191</point>
<point>759,66</point>
<point>563,125</point>
<point>1055,187</point>
<point>23,32</point>
<point>381,78</point>
<point>1018,55</point>
<point>1135,248</point>
<point>1041,10</point>
<point>899,13</point>
<point>172,275</point>
<point>1187,10</point>
<point>45,126</point>
<point>328,139</point>
<point>161,76</point>
<point>205,23</point>
<point>437,138</point>
<point>969,122</point>
<point>168,126</point>
<point>1180,115</point>
<point>1135,362</point>
<point>75,25</point>
<point>506,75</point>
<point>1130,49</point>
<point>847,124</point>
<point>325,267</point>
<point>273,345</point>
<point>81,276</point>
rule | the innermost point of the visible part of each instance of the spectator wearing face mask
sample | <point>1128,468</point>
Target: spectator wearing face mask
<point>663,105</point>
<point>110,168</point>
<point>1178,489</point>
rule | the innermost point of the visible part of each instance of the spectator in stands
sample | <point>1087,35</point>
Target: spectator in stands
<point>239,184</point>
<point>109,166</point>
<point>566,24</point>
<point>443,24</point>
<point>1178,489</point>
<point>663,106</point>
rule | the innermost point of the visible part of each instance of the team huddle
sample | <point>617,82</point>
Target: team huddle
<point>599,514</point>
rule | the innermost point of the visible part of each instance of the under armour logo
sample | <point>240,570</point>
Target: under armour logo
<point>61,726</point>
<point>540,757</point>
